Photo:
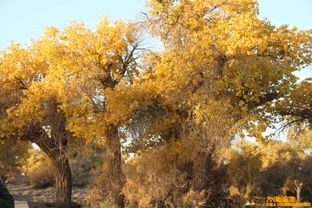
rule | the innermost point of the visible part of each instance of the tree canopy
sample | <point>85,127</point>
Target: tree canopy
<point>222,72</point>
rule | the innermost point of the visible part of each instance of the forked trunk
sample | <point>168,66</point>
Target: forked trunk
<point>116,176</point>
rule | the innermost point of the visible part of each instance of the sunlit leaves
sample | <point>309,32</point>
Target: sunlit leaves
<point>222,60</point>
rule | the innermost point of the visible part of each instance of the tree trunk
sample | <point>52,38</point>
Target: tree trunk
<point>55,146</point>
<point>115,173</point>
<point>63,183</point>
<point>57,153</point>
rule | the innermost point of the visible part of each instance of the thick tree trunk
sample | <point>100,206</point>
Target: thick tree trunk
<point>55,145</point>
<point>57,153</point>
<point>116,175</point>
<point>63,182</point>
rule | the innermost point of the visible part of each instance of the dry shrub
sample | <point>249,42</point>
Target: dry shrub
<point>156,179</point>
<point>153,179</point>
<point>84,159</point>
<point>104,204</point>
<point>42,177</point>
<point>172,176</point>
<point>98,190</point>
<point>39,169</point>
<point>194,199</point>
<point>175,173</point>
<point>82,170</point>
<point>89,171</point>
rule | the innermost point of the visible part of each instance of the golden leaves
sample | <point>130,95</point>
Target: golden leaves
<point>219,59</point>
<point>71,69</point>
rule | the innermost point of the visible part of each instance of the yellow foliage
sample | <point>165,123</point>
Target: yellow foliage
<point>35,160</point>
<point>221,59</point>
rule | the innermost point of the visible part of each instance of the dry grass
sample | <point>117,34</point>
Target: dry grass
<point>42,177</point>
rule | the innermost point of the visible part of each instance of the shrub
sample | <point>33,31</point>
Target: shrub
<point>194,199</point>
<point>97,191</point>
<point>155,179</point>
<point>83,170</point>
<point>105,204</point>
<point>42,177</point>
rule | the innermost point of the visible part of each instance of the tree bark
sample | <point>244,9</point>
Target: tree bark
<point>56,149</point>
<point>63,180</point>
<point>115,173</point>
<point>63,183</point>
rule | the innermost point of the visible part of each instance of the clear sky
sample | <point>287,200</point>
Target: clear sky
<point>22,20</point>
<point>296,13</point>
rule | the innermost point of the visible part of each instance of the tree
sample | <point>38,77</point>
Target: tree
<point>99,62</point>
<point>33,111</point>
<point>222,70</point>
<point>230,60</point>
<point>222,64</point>
<point>57,87</point>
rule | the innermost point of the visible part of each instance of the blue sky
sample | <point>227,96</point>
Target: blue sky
<point>292,12</point>
<point>22,20</point>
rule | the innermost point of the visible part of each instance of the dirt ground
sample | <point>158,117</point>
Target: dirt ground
<point>39,198</point>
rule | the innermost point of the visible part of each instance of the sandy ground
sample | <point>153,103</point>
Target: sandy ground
<point>39,198</point>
